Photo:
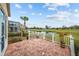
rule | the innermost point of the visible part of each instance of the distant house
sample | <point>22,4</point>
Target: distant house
<point>14,26</point>
<point>4,14</point>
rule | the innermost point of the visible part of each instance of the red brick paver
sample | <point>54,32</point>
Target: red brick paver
<point>36,47</point>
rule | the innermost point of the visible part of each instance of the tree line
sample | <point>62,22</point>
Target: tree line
<point>63,27</point>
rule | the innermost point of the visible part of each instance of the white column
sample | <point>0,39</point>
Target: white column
<point>72,45</point>
<point>53,37</point>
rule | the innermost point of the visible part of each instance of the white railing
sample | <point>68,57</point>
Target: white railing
<point>69,40</point>
<point>72,45</point>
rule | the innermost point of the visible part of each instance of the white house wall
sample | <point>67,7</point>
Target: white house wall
<point>3,6</point>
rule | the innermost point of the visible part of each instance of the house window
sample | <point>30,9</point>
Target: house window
<point>2,40</point>
<point>2,30</point>
<point>11,29</point>
<point>12,24</point>
<point>16,29</point>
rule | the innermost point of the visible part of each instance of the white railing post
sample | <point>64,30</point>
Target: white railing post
<point>53,37</point>
<point>29,34</point>
<point>72,45</point>
<point>44,35</point>
<point>38,34</point>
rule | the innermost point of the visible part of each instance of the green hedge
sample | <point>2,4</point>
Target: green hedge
<point>14,39</point>
<point>25,34</point>
<point>13,34</point>
<point>16,36</point>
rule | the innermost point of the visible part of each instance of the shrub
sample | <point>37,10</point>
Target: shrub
<point>16,36</point>
<point>14,39</point>
<point>62,43</point>
<point>12,34</point>
<point>25,34</point>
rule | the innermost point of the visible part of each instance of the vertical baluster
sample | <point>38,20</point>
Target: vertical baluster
<point>68,40</point>
<point>29,34</point>
<point>53,37</point>
<point>65,39</point>
<point>44,34</point>
<point>72,45</point>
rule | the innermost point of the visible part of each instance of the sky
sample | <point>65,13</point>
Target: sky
<point>42,14</point>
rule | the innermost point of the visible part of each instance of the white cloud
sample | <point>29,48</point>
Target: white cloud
<point>53,6</point>
<point>45,5</point>
<point>56,4</point>
<point>50,8</point>
<point>65,17</point>
<point>40,14</point>
<point>36,14</point>
<point>33,14</point>
<point>30,6</point>
<point>22,12</point>
<point>76,15</point>
<point>17,6</point>
<point>34,25</point>
<point>76,10</point>
<point>63,4</point>
<point>60,15</point>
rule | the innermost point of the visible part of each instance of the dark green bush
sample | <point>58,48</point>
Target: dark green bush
<point>14,39</point>
<point>25,34</point>
<point>12,34</point>
<point>16,36</point>
<point>76,50</point>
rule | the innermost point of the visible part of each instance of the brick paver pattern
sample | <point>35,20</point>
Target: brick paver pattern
<point>36,47</point>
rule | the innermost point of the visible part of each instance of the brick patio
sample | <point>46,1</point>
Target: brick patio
<point>36,47</point>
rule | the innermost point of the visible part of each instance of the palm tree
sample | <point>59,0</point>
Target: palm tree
<point>24,18</point>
